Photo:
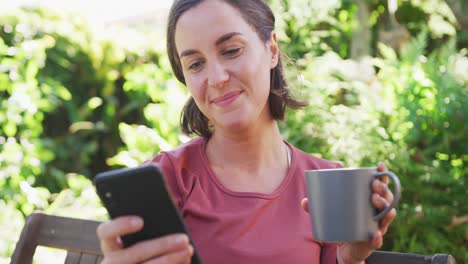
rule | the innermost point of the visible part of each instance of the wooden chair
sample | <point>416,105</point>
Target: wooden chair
<point>79,238</point>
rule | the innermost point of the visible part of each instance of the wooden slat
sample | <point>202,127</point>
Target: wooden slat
<point>73,258</point>
<point>88,259</point>
<point>70,234</point>
<point>74,235</point>
<point>384,257</point>
<point>27,243</point>
<point>99,259</point>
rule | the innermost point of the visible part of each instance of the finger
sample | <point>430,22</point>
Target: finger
<point>379,202</point>
<point>305,204</point>
<point>382,168</point>
<point>177,257</point>
<point>387,220</point>
<point>377,240</point>
<point>152,248</point>
<point>384,179</point>
<point>383,190</point>
<point>109,232</point>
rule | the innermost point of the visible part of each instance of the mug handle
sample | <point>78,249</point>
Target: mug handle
<point>396,193</point>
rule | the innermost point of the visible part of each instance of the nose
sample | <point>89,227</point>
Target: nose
<point>218,75</point>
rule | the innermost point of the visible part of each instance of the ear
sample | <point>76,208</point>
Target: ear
<point>274,50</point>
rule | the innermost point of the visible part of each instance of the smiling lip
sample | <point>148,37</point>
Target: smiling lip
<point>226,99</point>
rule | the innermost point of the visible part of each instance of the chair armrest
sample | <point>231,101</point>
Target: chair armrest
<point>386,257</point>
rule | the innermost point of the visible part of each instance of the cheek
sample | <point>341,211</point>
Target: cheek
<point>256,72</point>
<point>195,86</point>
<point>197,89</point>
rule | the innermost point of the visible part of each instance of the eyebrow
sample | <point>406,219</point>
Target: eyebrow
<point>218,42</point>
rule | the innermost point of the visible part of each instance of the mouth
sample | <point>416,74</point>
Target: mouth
<point>226,99</point>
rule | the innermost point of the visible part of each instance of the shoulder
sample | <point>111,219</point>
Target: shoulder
<point>309,161</point>
<point>180,167</point>
<point>181,154</point>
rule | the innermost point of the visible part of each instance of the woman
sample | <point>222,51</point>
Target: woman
<point>240,186</point>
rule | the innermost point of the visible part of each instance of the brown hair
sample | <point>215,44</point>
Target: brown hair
<point>258,15</point>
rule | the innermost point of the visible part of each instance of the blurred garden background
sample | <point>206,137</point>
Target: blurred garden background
<point>386,81</point>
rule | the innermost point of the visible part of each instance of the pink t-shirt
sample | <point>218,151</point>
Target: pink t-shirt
<point>242,227</point>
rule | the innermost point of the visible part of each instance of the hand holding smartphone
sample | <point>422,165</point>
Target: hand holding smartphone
<point>141,191</point>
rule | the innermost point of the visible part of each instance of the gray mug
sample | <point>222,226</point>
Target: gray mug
<point>340,204</point>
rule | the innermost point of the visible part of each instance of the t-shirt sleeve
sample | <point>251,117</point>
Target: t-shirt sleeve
<point>170,176</point>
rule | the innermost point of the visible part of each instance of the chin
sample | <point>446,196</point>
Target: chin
<point>235,125</point>
<point>240,121</point>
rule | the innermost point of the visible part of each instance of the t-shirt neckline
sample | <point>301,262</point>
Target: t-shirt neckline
<point>212,175</point>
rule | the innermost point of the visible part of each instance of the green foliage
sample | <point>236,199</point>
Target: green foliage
<point>314,27</point>
<point>23,154</point>
<point>11,221</point>
<point>342,120</point>
<point>436,14</point>
<point>162,115</point>
<point>64,96</point>
<point>410,114</point>
<point>429,123</point>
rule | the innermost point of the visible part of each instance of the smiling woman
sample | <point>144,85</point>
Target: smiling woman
<point>227,73</point>
<point>240,187</point>
<point>260,33</point>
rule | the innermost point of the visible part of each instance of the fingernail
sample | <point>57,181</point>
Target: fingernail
<point>180,239</point>
<point>136,222</point>
<point>190,250</point>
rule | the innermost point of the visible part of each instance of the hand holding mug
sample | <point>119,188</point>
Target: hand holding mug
<point>344,209</point>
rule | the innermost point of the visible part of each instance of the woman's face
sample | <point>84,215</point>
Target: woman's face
<point>226,65</point>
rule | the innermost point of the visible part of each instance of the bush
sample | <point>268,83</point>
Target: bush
<point>64,96</point>
<point>427,122</point>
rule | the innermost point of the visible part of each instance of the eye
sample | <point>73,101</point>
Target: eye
<point>232,52</point>
<point>195,66</point>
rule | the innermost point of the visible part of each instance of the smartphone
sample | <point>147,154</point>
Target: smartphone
<point>141,191</point>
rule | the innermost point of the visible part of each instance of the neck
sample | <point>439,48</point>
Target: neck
<point>252,151</point>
